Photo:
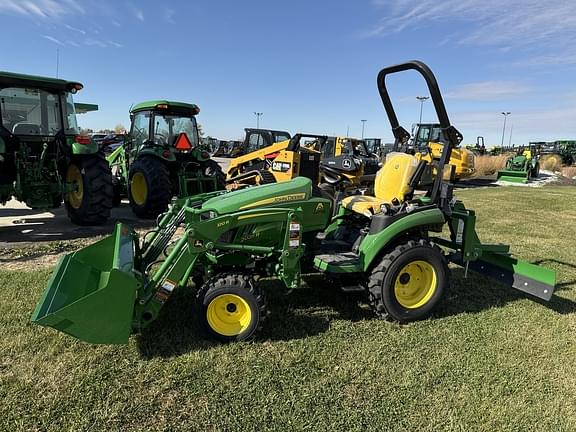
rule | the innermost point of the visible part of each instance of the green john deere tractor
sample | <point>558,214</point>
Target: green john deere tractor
<point>162,157</point>
<point>388,246</point>
<point>522,167</point>
<point>43,159</point>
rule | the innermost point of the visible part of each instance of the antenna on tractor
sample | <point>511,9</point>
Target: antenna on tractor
<point>57,61</point>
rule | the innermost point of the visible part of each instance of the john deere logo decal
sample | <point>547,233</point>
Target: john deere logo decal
<point>319,208</point>
<point>347,163</point>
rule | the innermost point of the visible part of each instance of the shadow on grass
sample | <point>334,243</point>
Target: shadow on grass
<point>477,293</point>
<point>309,311</point>
<point>295,315</point>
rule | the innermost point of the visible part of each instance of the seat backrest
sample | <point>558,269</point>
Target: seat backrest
<point>392,180</point>
<point>26,129</point>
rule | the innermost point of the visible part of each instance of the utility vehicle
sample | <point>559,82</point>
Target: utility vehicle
<point>389,246</point>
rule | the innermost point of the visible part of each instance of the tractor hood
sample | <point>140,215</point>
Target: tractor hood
<point>299,189</point>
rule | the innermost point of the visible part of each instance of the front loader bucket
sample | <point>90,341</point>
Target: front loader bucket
<point>92,292</point>
<point>513,176</point>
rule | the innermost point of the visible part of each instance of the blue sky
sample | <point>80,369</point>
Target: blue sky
<point>309,66</point>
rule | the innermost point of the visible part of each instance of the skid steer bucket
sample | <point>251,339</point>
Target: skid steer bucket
<point>513,176</point>
<point>92,292</point>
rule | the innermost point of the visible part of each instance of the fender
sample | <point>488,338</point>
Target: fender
<point>82,149</point>
<point>373,244</point>
<point>156,153</point>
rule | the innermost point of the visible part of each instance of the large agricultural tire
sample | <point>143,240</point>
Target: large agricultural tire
<point>535,172</point>
<point>149,187</point>
<point>230,307</point>
<point>91,202</point>
<point>408,282</point>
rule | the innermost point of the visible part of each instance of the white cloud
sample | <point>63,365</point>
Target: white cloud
<point>95,42</point>
<point>53,39</point>
<point>41,8</point>
<point>488,90</point>
<point>115,44</point>
<point>69,27</point>
<point>169,16</point>
<point>531,24</point>
<point>140,15</point>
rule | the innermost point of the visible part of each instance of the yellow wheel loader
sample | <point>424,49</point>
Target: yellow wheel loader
<point>428,143</point>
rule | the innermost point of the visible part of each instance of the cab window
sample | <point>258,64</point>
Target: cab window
<point>141,128</point>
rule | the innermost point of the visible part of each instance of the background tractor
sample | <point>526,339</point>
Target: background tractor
<point>522,167</point>
<point>43,159</point>
<point>162,158</point>
<point>394,247</point>
<point>427,144</point>
<point>254,139</point>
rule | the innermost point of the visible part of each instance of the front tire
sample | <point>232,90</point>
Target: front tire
<point>149,187</point>
<point>231,308</point>
<point>91,201</point>
<point>408,282</point>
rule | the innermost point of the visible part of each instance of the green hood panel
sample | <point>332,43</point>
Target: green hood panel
<point>299,189</point>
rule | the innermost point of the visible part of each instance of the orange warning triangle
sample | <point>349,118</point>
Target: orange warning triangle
<point>182,142</point>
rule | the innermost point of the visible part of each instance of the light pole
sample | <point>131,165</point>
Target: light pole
<point>258,114</point>
<point>505,114</point>
<point>363,124</point>
<point>422,99</point>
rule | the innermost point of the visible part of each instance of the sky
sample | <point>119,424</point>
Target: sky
<point>309,66</point>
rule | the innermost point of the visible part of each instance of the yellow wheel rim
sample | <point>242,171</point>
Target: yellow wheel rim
<point>415,284</point>
<point>229,315</point>
<point>74,176</point>
<point>139,188</point>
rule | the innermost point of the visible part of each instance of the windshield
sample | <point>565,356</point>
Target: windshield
<point>354,147</point>
<point>31,111</point>
<point>168,127</point>
<point>428,134</point>
<point>70,124</point>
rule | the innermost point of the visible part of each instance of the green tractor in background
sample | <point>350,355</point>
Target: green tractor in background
<point>43,159</point>
<point>162,157</point>
<point>394,247</point>
<point>522,167</point>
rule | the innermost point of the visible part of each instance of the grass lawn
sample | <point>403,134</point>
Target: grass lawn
<point>490,359</point>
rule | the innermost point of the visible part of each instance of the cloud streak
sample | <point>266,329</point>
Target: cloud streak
<point>488,91</point>
<point>530,24</point>
<point>41,8</point>
<point>53,39</point>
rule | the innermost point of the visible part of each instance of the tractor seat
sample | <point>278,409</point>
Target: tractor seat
<point>26,129</point>
<point>392,182</point>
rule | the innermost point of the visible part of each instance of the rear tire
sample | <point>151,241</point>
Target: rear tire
<point>408,282</point>
<point>149,187</point>
<point>231,308</point>
<point>91,202</point>
<point>535,171</point>
<point>117,192</point>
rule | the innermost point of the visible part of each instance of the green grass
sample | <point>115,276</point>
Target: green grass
<point>490,359</point>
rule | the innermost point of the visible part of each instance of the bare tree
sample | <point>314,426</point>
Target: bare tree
<point>119,128</point>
